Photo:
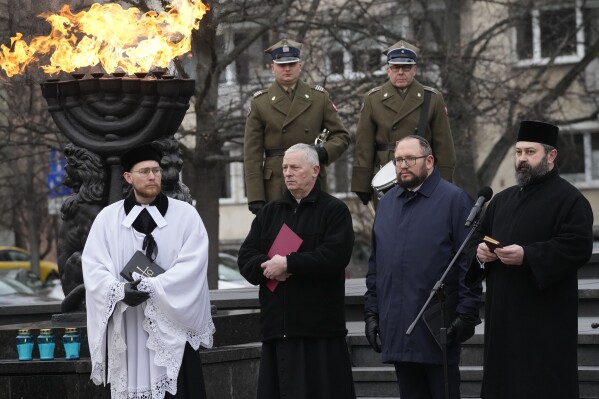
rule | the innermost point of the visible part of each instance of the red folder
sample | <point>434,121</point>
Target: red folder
<point>285,243</point>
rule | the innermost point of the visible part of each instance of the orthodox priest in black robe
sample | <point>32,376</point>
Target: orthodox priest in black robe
<point>544,228</point>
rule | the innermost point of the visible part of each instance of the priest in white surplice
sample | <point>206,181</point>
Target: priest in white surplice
<point>149,333</point>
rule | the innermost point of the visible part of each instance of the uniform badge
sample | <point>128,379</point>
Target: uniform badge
<point>333,105</point>
<point>249,111</point>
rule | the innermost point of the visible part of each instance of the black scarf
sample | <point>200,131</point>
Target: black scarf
<point>144,222</point>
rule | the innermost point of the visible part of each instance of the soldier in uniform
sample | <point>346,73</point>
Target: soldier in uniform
<point>396,110</point>
<point>289,112</point>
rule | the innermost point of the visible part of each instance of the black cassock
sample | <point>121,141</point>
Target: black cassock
<point>305,368</point>
<point>531,311</point>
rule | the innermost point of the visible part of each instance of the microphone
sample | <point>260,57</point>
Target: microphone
<point>484,195</point>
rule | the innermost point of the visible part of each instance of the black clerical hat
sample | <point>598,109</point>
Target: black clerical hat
<point>144,152</point>
<point>538,132</point>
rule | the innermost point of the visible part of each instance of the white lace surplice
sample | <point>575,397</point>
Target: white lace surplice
<point>146,343</point>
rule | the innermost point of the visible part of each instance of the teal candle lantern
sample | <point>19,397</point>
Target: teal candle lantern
<point>24,345</point>
<point>46,344</point>
<point>72,343</point>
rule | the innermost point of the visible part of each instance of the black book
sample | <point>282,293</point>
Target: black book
<point>139,263</point>
<point>491,243</point>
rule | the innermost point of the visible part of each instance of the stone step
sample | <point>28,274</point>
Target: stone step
<point>380,382</point>
<point>472,350</point>
<point>588,298</point>
<point>591,269</point>
<point>588,294</point>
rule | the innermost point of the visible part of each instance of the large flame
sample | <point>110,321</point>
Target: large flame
<point>109,36</point>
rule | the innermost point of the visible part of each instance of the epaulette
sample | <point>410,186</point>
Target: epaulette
<point>318,88</point>
<point>431,89</point>
<point>258,93</point>
<point>374,90</point>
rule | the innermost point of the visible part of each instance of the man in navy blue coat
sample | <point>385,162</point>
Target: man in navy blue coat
<point>418,228</point>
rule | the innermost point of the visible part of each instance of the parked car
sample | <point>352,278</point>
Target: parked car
<point>13,292</point>
<point>53,289</point>
<point>18,258</point>
<point>228,273</point>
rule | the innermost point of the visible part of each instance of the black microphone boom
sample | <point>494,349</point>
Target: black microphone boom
<point>484,195</point>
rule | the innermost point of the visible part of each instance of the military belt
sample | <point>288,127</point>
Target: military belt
<point>274,152</point>
<point>385,147</point>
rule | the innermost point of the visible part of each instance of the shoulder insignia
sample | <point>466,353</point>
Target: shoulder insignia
<point>431,89</point>
<point>259,93</point>
<point>318,88</point>
<point>378,88</point>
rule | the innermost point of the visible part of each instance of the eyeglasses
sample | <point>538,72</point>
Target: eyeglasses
<point>403,67</point>
<point>146,171</point>
<point>410,161</point>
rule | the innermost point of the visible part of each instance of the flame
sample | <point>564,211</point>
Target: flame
<point>109,36</point>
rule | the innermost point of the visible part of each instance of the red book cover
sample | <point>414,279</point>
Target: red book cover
<point>285,243</point>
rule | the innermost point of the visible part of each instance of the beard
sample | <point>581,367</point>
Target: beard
<point>526,174</point>
<point>148,192</point>
<point>414,181</point>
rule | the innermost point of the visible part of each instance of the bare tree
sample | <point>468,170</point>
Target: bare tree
<point>470,61</point>
<point>476,80</point>
<point>27,135</point>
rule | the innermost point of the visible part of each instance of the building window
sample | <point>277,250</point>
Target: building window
<point>355,64</point>
<point>583,171</point>
<point>550,33</point>
<point>242,71</point>
<point>225,182</point>
<point>232,181</point>
<point>336,62</point>
<point>366,60</point>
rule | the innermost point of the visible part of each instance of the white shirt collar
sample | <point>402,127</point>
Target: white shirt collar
<point>136,210</point>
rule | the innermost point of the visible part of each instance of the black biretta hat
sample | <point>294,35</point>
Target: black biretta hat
<point>538,132</point>
<point>144,152</point>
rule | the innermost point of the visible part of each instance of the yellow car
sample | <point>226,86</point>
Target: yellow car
<point>18,258</point>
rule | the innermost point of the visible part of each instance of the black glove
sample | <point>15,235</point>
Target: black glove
<point>323,157</point>
<point>372,330</point>
<point>133,297</point>
<point>462,328</point>
<point>255,206</point>
<point>364,197</point>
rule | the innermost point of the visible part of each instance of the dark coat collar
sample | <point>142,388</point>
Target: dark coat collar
<point>428,186</point>
<point>289,199</point>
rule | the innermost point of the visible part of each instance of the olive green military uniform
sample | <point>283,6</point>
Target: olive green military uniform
<point>386,117</point>
<point>275,122</point>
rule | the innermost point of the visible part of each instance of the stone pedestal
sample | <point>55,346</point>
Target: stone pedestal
<point>230,368</point>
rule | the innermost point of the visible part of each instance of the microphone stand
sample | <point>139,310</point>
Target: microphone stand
<point>438,289</point>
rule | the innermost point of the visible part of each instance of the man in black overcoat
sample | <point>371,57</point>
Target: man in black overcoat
<point>544,228</point>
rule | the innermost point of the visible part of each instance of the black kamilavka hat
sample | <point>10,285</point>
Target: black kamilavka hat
<point>538,132</point>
